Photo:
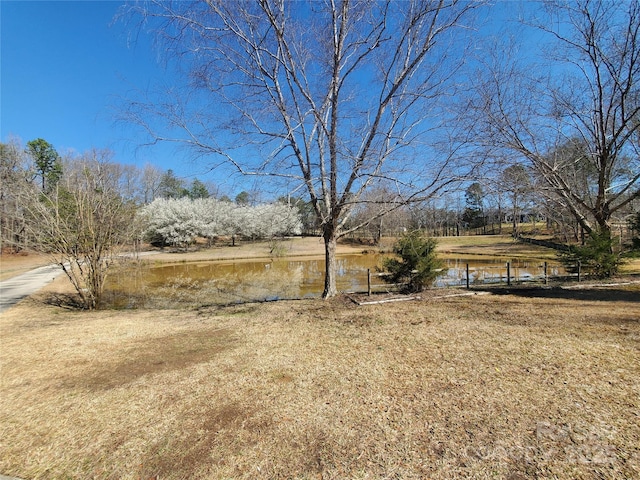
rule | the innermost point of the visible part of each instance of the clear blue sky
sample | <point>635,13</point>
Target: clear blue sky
<point>64,65</point>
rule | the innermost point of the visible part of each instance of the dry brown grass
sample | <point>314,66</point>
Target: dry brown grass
<point>298,246</point>
<point>512,387</point>
<point>12,264</point>
<point>492,245</point>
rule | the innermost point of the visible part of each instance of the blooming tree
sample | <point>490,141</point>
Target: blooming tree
<point>172,220</point>
<point>270,220</point>
<point>180,221</point>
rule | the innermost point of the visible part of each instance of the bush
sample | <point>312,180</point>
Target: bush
<point>597,257</point>
<point>417,262</point>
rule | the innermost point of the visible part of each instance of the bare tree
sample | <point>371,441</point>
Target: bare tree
<point>83,221</point>
<point>516,183</point>
<point>13,179</point>
<point>373,211</point>
<point>585,96</point>
<point>339,95</point>
<point>151,178</point>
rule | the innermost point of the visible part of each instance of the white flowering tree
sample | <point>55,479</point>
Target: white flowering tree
<point>270,220</point>
<point>179,221</point>
<point>279,219</point>
<point>172,220</point>
<point>213,217</point>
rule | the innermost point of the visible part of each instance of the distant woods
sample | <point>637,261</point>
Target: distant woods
<point>509,201</point>
<point>37,170</point>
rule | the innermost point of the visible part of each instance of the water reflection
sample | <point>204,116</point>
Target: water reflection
<point>216,282</point>
<point>495,271</point>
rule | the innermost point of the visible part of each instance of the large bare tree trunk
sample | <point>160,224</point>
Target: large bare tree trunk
<point>331,270</point>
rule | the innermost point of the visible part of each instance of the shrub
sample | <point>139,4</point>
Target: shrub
<point>596,257</point>
<point>416,264</point>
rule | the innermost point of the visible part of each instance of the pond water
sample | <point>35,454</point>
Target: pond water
<point>483,271</point>
<point>222,282</point>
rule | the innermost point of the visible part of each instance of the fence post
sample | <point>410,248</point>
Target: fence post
<point>467,276</point>
<point>546,277</point>
<point>369,282</point>
<point>579,269</point>
<point>509,274</point>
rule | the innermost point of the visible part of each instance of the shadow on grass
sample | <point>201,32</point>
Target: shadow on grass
<point>64,300</point>
<point>598,294</point>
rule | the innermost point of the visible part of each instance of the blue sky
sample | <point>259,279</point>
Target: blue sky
<point>64,67</point>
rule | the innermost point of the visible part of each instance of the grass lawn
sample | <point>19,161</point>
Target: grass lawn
<point>494,386</point>
<point>532,384</point>
<point>492,245</point>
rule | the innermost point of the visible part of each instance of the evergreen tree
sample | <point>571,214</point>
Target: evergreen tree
<point>474,211</point>
<point>172,186</point>
<point>198,190</point>
<point>46,161</point>
<point>416,263</point>
<point>242,198</point>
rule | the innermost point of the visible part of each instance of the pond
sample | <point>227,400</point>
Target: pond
<point>222,282</point>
